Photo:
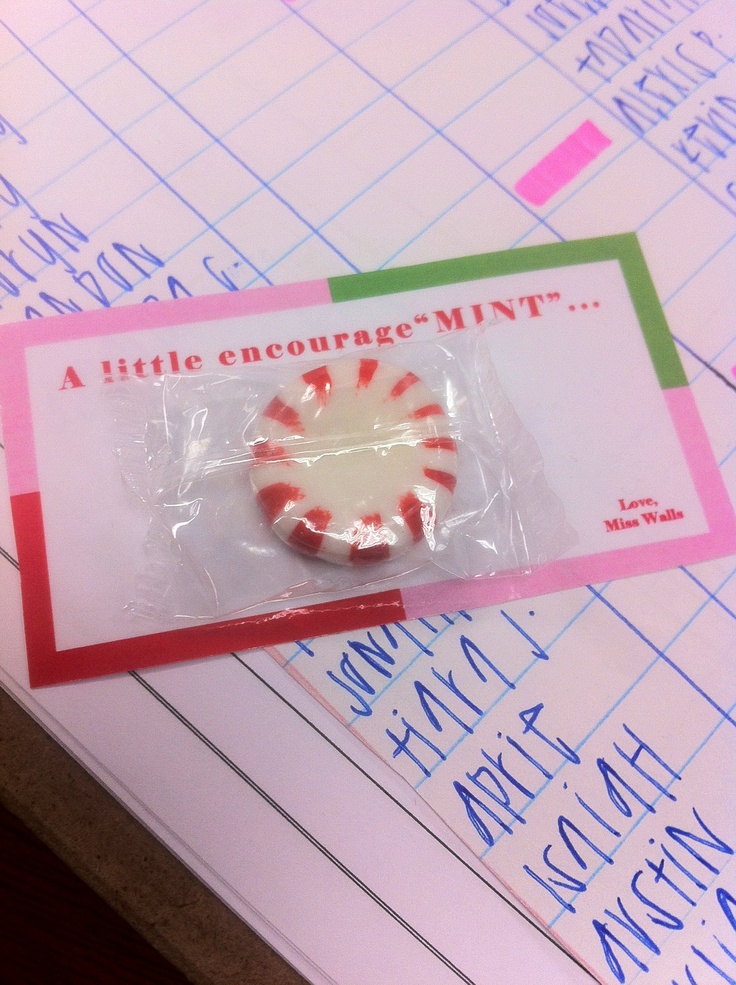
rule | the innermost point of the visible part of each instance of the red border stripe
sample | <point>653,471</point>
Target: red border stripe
<point>35,586</point>
<point>47,665</point>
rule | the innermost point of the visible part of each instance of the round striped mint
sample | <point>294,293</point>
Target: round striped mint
<point>354,461</point>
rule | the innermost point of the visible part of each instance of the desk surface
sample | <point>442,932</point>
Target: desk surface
<point>116,856</point>
<point>55,928</point>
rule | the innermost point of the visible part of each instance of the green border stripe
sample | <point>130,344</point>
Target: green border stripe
<point>657,335</point>
<point>624,248</point>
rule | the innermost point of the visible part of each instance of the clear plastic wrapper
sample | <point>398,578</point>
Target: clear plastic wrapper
<point>313,480</point>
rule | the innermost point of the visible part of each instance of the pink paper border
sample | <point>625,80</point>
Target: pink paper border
<point>414,601</point>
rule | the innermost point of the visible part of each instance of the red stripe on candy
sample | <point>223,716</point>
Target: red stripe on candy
<point>443,444</point>
<point>268,451</point>
<point>410,510</point>
<point>366,372</point>
<point>277,410</point>
<point>308,534</point>
<point>445,479</point>
<point>402,385</point>
<point>321,381</point>
<point>365,546</point>
<point>277,498</point>
<point>429,410</point>
<point>374,552</point>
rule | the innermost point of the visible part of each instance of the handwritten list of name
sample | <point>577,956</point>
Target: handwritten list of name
<point>558,764</point>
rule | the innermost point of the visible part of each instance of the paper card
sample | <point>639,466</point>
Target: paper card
<point>581,348</point>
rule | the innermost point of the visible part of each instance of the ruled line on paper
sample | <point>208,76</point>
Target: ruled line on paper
<point>708,366</point>
<point>9,557</point>
<point>264,273</point>
<point>662,655</point>
<point>141,160</point>
<point>677,770</point>
<point>713,596</point>
<point>593,95</point>
<point>281,258</point>
<point>387,91</point>
<point>402,807</point>
<point>643,815</point>
<point>727,455</point>
<point>631,688</point>
<point>597,595</point>
<point>438,131</point>
<point>217,141</point>
<point>245,777</point>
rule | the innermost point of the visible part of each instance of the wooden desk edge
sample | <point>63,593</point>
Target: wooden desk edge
<point>125,864</point>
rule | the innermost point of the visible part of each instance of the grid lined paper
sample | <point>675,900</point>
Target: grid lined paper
<point>156,151</point>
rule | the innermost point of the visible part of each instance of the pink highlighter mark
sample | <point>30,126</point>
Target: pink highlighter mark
<point>562,164</point>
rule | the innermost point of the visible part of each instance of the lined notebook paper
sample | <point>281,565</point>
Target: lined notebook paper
<point>158,151</point>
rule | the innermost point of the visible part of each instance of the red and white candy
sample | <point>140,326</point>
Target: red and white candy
<point>354,461</point>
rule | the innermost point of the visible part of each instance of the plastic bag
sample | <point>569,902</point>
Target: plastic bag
<point>313,480</point>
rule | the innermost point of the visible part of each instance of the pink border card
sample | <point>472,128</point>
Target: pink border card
<point>582,350</point>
